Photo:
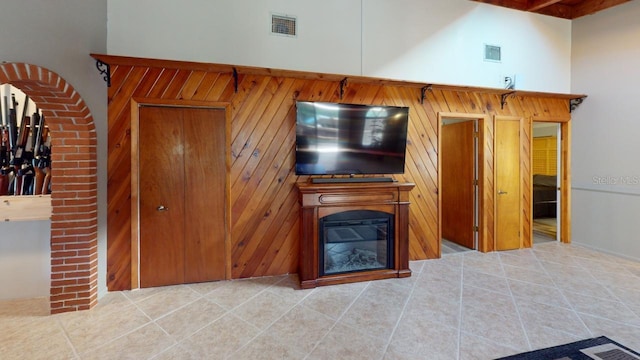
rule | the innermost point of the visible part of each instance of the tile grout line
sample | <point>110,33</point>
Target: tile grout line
<point>616,297</point>
<point>461,305</point>
<point>515,305</point>
<point>262,331</point>
<point>67,338</point>
<point>204,296</point>
<point>338,319</point>
<point>400,316</point>
<point>153,321</point>
<point>562,292</point>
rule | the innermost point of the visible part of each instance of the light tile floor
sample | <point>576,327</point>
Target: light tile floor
<point>463,306</point>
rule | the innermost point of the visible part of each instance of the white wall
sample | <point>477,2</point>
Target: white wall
<point>443,42</point>
<point>25,266</point>
<point>57,35</point>
<point>238,32</point>
<point>606,171</point>
<point>421,40</point>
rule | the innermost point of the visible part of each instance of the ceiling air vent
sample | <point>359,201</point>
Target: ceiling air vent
<point>492,53</point>
<point>283,25</point>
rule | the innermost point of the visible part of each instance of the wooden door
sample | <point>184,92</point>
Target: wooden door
<point>182,195</point>
<point>205,179</point>
<point>508,179</point>
<point>457,183</point>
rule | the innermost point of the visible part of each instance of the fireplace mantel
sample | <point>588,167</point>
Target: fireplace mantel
<point>319,200</point>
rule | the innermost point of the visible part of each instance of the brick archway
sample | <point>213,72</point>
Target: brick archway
<point>74,229</point>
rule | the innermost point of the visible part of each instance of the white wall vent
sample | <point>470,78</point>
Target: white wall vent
<point>492,53</point>
<point>284,25</point>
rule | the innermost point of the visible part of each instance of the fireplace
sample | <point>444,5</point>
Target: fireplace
<point>357,240</point>
<point>353,232</point>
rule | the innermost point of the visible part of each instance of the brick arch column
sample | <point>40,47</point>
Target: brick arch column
<point>74,229</point>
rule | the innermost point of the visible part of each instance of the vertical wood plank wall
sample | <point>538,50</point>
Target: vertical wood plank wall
<point>264,210</point>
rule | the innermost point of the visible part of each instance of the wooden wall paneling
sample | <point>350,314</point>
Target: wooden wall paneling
<point>485,185</point>
<point>424,215</point>
<point>470,103</point>
<point>533,105</point>
<point>265,207</point>
<point>421,168</point>
<point>147,83</point>
<point>191,85</point>
<point>453,102</point>
<point>244,119</point>
<point>282,261</point>
<point>162,81</point>
<point>527,187</point>
<point>119,179</point>
<point>253,243</point>
<point>258,134</point>
<point>268,168</point>
<point>245,199</point>
<point>119,74</point>
<point>264,222</point>
<point>270,236</point>
<point>120,100</point>
<point>172,91</point>
<point>317,90</point>
<point>423,210</point>
<point>206,84</point>
<point>221,89</point>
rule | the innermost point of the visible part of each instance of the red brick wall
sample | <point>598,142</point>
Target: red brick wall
<point>74,255</point>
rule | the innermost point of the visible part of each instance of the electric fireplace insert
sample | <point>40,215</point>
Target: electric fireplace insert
<point>356,240</point>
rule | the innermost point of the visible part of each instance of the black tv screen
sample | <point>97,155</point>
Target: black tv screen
<point>347,139</point>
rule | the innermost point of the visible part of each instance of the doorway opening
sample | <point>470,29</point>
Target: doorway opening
<point>546,170</point>
<point>73,233</point>
<point>459,174</point>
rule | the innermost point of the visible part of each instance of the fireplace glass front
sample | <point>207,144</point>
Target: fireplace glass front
<point>359,240</point>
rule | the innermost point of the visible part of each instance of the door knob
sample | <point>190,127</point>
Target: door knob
<point>500,192</point>
<point>162,208</point>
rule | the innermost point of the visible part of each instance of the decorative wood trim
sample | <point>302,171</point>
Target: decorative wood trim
<point>135,192</point>
<point>485,235</point>
<point>551,119</point>
<point>248,70</point>
<point>565,173</point>
<point>565,183</point>
<point>486,191</point>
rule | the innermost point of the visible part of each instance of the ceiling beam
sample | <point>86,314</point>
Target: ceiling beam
<point>535,5</point>
<point>517,4</point>
<point>566,9</point>
<point>558,10</point>
<point>589,7</point>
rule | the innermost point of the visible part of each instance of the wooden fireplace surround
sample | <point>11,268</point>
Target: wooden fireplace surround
<point>320,200</point>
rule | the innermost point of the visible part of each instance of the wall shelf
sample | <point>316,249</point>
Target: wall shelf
<point>25,208</point>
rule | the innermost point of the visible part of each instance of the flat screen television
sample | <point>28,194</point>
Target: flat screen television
<point>350,139</point>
